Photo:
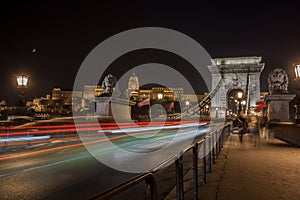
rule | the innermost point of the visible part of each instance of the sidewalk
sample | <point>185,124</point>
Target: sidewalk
<point>270,170</point>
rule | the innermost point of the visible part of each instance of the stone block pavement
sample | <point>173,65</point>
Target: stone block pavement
<point>251,171</point>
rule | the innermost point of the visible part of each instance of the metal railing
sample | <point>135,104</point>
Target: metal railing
<point>211,142</point>
<point>179,170</point>
<point>148,178</point>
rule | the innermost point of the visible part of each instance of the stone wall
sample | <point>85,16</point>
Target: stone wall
<point>286,131</point>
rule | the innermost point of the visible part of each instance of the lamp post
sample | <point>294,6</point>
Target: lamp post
<point>243,103</point>
<point>22,84</point>
<point>239,96</point>
<point>207,109</point>
<point>187,103</point>
<point>297,106</point>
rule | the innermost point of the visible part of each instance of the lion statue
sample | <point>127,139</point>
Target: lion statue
<point>278,81</point>
<point>110,86</point>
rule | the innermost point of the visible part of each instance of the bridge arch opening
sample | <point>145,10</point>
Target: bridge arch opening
<point>236,101</point>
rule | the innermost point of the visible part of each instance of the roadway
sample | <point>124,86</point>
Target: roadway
<point>69,171</point>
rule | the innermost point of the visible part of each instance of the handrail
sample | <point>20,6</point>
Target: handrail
<point>148,177</point>
<point>165,163</point>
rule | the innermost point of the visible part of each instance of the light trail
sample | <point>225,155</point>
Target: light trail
<point>155,128</point>
<point>59,148</point>
<point>142,132</point>
<point>97,124</point>
<point>90,127</point>
<point>27,138</point>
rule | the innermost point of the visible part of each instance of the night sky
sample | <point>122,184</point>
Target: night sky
<point>64,33</point>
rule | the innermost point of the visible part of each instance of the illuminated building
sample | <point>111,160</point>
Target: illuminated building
<point>164,94</point>
<point>168,94</point>
<point>56,93</point>
<point>91,91</point>
<point>133,83</point>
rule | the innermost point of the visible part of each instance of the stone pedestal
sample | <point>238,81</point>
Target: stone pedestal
<point>278,107</point>
<point>113,109</point>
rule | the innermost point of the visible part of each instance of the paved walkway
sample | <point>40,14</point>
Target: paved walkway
<point>268,170</point>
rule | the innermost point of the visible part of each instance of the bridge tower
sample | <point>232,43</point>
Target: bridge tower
<point>242,73</point>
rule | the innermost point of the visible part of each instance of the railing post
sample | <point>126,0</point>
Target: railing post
<point>209,154</point>
<point>222,137</point>
<point>217,144</point>
<point>204,162</point>
<point>151,185</point>
<point>228,133</point>
<point>179,179</point>
<point>195,166</point>
<point>213,147</point>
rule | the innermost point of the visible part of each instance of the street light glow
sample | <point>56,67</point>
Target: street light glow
<point>159,96</point>
<point>22,81</point>
<point>240,95</point>
<point>243,102</point>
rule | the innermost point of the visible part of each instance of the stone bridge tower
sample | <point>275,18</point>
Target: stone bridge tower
<point>237,73</point>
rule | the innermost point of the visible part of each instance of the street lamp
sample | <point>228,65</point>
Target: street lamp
<point>22,83</point>
<point>206,109</point>
<point>238,100</point>
<point>243,102</point>
<point>240,95</point>
<point>187,103</point>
